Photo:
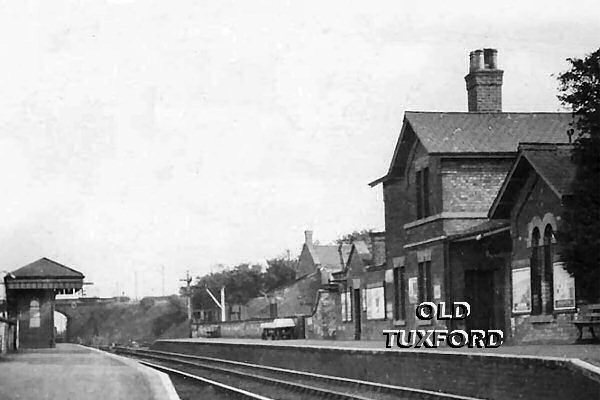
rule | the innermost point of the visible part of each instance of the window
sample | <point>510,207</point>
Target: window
<point>424,282</point>
<point>399,293</point>
<point>536,278</point>
<point>347,306</point>
<point>425,178</point>
<point>422,193</point>
<point>419,189</point>
<point>376,302</point>
<point>548,281</point>
<point>34,314</point>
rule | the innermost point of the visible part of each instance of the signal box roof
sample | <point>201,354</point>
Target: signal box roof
<point>44,274</point>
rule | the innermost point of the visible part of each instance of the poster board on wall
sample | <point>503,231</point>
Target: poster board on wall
<point>564,288</point>
<point>375,302</point>
<point>521,290</point>
<point>413,290</point>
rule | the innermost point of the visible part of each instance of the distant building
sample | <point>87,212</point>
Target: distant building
<point>327,259</point>
<point>31,292</point>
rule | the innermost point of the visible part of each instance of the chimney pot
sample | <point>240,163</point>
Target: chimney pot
<point>490,57</point>
<point>478,60</point>
<point>308,237</point>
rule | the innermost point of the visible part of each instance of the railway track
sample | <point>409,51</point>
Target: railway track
<point>252,381</point>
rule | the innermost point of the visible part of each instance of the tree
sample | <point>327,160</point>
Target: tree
<point>280,271</point>
<point>364,235</point>
<point>580,237</point>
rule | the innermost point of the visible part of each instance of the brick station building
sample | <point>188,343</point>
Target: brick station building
<point>30,297</point>
<point>445,174</point>
<point>532,198</point>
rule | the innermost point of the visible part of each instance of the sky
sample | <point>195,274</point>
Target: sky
<point>138,137</point>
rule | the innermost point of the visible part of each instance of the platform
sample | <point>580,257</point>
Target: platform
<point>526,372</point>
<point>586,352</point>
<point>70,372</point>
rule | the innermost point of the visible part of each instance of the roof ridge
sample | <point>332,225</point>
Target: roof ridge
<point>62,265</point>
<point>486,112</point>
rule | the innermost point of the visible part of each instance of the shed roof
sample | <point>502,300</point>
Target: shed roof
<point>46,268</point>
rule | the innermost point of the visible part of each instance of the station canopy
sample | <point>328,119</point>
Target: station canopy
<point>45,274</point>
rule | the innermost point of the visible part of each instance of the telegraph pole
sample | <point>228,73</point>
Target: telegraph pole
<point>188,293</point>
<point>162,267</point>
<point>223,312</point>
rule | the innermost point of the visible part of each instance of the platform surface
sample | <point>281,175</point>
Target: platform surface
<point>71,371</point>
<point>585,352</point>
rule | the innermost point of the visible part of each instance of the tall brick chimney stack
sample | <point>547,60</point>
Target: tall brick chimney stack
<point>378,247</point>
<point>484,81</point>
<point>308,237</point>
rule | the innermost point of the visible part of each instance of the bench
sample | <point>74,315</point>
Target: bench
<point>281,328</point>
<point>589,316</point>
<point>213,331</point>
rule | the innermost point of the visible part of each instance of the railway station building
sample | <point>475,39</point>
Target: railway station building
<point>452,232</point>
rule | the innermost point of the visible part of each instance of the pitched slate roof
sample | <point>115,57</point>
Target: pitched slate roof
<point>552,162</point>
<point>329,257</point>
<point>472,132</point>
<point>479,133</point>
<point>46,268</point>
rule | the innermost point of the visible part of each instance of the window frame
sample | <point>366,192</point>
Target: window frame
<point>424,281</point>
<point>346,303</point>
<point>536,273</point>
<point>35,316</point>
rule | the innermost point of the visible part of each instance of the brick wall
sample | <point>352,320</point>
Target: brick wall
<point>437,275</point>
<point>32,337</point>
<point>536,201</point>
<point>484,91</point>
<point>539,200</point>
<point>468,374</point>
<point>557,329</point>
<point>471,185</point>
<point>305,263</point>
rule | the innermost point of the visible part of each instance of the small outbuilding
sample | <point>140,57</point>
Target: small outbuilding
<point>30,292</point>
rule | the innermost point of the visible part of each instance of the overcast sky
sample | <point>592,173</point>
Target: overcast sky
<point>183,134</point>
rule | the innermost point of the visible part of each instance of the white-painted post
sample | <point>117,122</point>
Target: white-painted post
<point>223,313</point>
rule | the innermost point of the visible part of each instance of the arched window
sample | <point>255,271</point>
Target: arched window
<point>34,313</point>
<point>536,273</point>
<point>548,281</point>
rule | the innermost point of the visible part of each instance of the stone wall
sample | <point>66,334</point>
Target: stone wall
<point>324,322</point>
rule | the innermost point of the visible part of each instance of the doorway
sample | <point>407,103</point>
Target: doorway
<point>60,327</point>
<point>356,312</point>
<point>479,293</point>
